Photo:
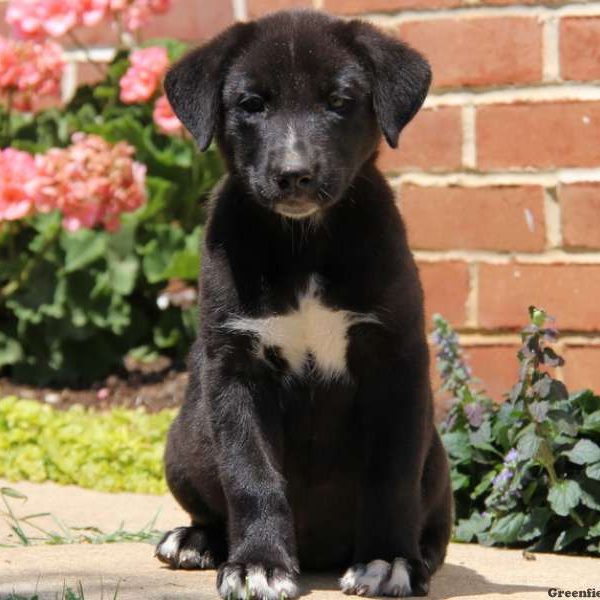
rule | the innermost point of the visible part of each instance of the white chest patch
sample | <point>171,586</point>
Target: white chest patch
<point>313,330</point>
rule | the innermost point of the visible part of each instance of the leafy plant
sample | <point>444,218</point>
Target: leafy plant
<point>118,450</point>
<point>74,303</point>
<point>525,473</point>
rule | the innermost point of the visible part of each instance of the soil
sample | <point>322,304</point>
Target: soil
<point>152,386</point>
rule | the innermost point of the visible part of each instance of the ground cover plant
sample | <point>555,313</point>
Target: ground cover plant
<point>525,473</point>
<point>113,451</point>
<point>100,201</point>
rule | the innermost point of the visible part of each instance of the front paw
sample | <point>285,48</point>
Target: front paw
<point>242,581</point>
<point>380,578</point>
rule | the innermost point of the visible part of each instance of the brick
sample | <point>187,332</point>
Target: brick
<point>495,370</point>
<point>353,7</point>
<point>446,288</point>
<point>495,366</point>
<point>481,51</point>
<point>193,22</point>
<point>568,292</point>
<point>257,8</point>
<point>543,135</point>
<point>581,367</point>
<point>580,213</point>
<point>432,141</point>
<point>580,48</point>
<point>476,218</point>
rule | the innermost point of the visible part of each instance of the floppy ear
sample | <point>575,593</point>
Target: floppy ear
<point>400,77</point>
<point>193,84</point>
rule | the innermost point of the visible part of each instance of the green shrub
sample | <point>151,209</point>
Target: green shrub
<point>525,473</point>
<point>116,451</point>
<point>73,304</point>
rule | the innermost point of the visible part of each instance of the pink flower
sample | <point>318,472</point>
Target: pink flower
<point>91,12</point>
<point>139,12</point>
<point>137,85</point>
<point>91,182</point>
<point>17,169</point>
<point>143,77</point>
<point>153,58</point>
<point>35,19</point>
<point>29,69</point>
<point>165,118</point>
<point>10,64</point>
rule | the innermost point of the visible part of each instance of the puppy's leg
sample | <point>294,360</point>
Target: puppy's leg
<point>192,477</point>
<point>246,420</point>
<point>395,405</point>
<point>437,496</point>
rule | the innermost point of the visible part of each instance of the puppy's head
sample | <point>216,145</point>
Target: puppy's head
<point>297,102</point>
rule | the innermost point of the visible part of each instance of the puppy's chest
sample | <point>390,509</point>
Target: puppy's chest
<point>312,335</point>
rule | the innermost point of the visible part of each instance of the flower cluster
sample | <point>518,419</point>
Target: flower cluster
<point>144,76</point>
<point>91,182</point>
<point>29,70</point>
<point>17,169</point>
<point>37,19</point>
<point>143,80</point>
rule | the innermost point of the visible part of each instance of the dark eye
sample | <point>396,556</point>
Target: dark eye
<point>252,104</point>
<point>337,102</point>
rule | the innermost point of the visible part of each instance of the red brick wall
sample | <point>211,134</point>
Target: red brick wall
<point>498,177</point>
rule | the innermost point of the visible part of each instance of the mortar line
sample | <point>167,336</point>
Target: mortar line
<point>552,214</point>
<point>472,302</point>
<point>549,257</point>
<point>469,155</point>
<point>499,178</point>
<point>477,11</point>
<point>550,49</point>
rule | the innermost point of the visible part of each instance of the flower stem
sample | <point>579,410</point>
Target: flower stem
<point>9,107</point>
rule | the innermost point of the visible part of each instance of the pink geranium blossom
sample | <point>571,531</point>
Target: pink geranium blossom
<point>142,79</point>
<point>29,69</point>
<point>17,169</point>
<point>165,118</point>
<point>36,19</point>
<point>91,12</point>
<point>91,182</point>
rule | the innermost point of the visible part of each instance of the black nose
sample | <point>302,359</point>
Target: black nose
<point>295,180</point>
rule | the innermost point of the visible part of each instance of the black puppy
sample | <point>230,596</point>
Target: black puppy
<point>306,438</point>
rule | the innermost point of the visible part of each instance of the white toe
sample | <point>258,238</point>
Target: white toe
<point>398,583</point>
<point>378,578</point>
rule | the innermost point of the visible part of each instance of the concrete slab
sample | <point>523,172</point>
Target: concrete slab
<point>471,572</point>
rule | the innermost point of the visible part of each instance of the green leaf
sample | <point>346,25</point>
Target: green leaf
<point>12,493</point>
<point>584,452</point>
<point>506,530</point>
<point>534,524</point>
<point>591,423</point>
<point>82,248</point>
<point>123,274</point>
<point>528,443</point>
<point>457,445</point>
<point>11,350</point>
<point>593,471</point>
<point>468,529</point>
<point>568,536</point>
<point>483,485</point>
<point>564,496</point>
